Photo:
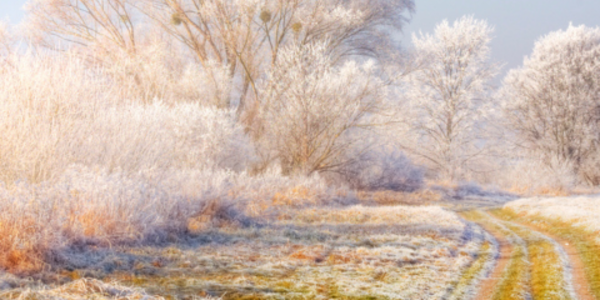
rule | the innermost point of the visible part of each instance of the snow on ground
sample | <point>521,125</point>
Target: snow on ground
<point>581,211</point>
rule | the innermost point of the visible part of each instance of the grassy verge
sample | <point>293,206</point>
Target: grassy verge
<point>580,238</point>
<point>547,273</point>
<point>514,282</point>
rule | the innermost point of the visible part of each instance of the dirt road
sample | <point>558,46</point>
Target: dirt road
<point>532,264</point>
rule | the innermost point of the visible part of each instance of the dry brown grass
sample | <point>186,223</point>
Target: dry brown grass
<point>527,190</point>
<point>330,252</point>
<point>18,253</point>
<point>295,196</point>
<point>388,198</point>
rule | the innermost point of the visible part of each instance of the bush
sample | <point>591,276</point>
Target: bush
<point>527,175</point>
<point>383,168</point>
<point>54,113</point>
<point>79,166</point>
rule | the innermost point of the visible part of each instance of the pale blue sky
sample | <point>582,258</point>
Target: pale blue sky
<point>12,9</point>
<point>518,23</point>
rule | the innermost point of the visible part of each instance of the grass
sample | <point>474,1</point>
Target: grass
<point>583,240</point>
<point>547,272</point>
<point>356,253</point>
<point>79,290</point>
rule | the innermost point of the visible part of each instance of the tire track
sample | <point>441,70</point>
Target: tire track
<point>486,290</point>
<point>574,269</point>
<point>549,267</point>
<point>511,276</point>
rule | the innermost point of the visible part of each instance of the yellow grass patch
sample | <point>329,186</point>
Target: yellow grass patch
<point>547,273</point>
<point>582,239</point>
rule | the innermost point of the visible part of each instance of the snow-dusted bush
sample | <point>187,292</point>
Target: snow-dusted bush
<point>42,100</point>
<point>54,112</point>
<point>528,175</point>
<point>382,168</point>
<point>551,102</point>
<point>184,136</point>
<point>7,39</point>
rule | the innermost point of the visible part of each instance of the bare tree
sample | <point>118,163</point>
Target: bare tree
<point>244,36</point>
<point>254,41</point>
<point>553,102</point>
<point>83,22</point>
<point>446,94</point>
<point>248,35</point>
<point>6,39</point>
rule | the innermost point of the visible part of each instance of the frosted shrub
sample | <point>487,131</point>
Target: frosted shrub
<point>43,101</point>
<point>531,176</point>
<point>95,207</point>
<point>185,136</point>
<point>7,39</point>
<point>383,168</point>
<point>86,207</point>
<point>55,113</point>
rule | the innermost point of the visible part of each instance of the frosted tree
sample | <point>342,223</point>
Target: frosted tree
<point>243,36</point>
<point>244,51</point>
<point>311,107</point>
<point>553,101</point>
<point>446,93</point>
<point>246,36</point>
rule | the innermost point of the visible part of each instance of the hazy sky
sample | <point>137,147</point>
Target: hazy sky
<point>12,9</point>
<point>518,23</point>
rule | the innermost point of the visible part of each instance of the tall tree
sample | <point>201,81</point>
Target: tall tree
<point>244,36</point>
<point>446,93</point>
<point>553,101</point>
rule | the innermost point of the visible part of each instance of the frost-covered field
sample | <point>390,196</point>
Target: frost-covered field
<point>381,252</point>
<point>576,210</point>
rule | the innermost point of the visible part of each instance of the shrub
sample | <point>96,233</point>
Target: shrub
<point>54,113</point>
<point>383,168</point>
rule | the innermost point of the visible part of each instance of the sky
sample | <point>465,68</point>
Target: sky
<point>12,9</point>
<point>518,23</point>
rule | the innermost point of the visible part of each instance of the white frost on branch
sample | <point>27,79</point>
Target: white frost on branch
<point>553,101</point>
<point>447,93</point>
